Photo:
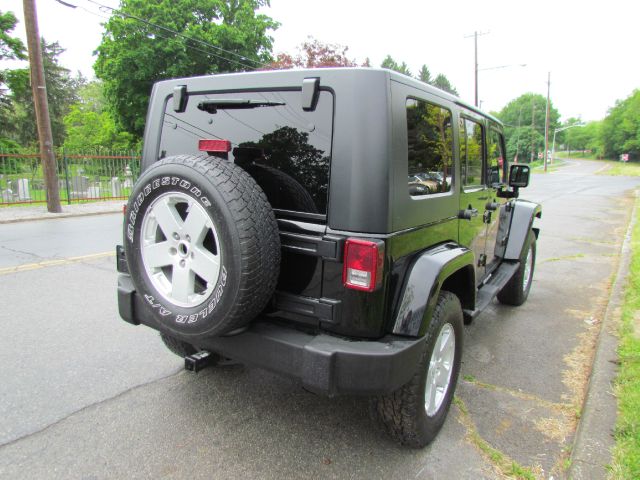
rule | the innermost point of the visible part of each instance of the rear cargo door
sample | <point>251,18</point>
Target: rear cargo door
<point>285,148</point>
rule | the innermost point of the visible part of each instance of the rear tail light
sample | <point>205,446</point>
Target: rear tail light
<point>363,264</point>
<point>221,146</point>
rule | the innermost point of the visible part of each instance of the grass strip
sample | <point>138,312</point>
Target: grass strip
<point>505,466</point>
<point>626,454</point>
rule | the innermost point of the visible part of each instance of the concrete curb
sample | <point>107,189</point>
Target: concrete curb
<point>28,214</point>
<point>594,440</point>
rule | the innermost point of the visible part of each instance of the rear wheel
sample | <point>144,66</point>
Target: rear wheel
<point>180,348</point>
<point>414,414</point>
<point>516,291</point>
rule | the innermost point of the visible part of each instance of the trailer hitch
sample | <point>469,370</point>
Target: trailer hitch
<point>200,360</point>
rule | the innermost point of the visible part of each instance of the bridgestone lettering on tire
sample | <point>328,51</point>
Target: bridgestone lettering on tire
<point>202,245</point>
<point>414,414</point>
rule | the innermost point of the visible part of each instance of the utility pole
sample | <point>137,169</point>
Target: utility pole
<point>533,127</point>
<point>546,123</point>
<point>41,104</point>
<point>475,45</point>
<point>475,51</point>
<point>515,160</point>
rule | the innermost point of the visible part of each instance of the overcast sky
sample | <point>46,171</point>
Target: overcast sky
<point>590,48</point>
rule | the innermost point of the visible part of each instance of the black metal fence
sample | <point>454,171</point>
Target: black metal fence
<point>81,177</point>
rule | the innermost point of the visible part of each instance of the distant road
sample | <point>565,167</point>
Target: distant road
<point>33,242</point>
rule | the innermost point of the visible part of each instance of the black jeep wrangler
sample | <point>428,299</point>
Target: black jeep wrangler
<point>334,225</point>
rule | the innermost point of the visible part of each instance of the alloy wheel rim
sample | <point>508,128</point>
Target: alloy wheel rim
<point>528,267</point>
<point>440,370</point>
<point>180,249</point>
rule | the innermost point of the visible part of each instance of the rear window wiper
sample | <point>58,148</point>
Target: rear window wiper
<point>215,104</point>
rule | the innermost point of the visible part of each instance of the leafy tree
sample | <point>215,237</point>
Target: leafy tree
<point>620,131</point>
<point>391,64</point>
<point>442,82</point>
<point>11,48</point>
<point>425,75</point>
<point>315,54</point>
<point>90,125</point>
<point>521,137</point>
<point>139,47</point>
<point>62,91</point>
<point>586,137</point>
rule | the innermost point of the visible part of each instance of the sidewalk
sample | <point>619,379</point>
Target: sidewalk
<point>592,451</point>
<point>19,213</point>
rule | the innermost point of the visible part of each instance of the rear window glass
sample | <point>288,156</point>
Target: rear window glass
<point>471,152</point>
<point>430,148</point>
<point>496,158</point>
<point>286,149</point>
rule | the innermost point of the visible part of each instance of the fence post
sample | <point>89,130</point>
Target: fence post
<point>66,175</point>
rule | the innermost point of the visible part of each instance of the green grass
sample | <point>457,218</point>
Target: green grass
<point>613,167</point>
<point>621,169</point>
<point>626,455</point>
<point>566,257</point>
<point>537,166</point>
<point>577,155</point>
<point>506,466</point>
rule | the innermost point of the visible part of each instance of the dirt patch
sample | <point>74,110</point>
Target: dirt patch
<point>580,360</point>
<point>557,429</point>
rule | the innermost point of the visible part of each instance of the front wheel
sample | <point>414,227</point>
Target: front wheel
<point>516,291</point>
<point>414,414</point>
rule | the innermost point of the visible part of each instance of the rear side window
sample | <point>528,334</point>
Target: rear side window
<point>471,152</point>
<point>287,150</point>
<point>430,148</point>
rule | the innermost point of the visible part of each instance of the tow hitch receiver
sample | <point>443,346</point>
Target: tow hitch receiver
<point>198,361</point>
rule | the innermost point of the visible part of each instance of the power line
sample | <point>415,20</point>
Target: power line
<point>197,40</point>
<point>69,5</point>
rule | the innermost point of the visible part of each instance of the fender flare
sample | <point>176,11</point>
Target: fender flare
<point>522,217</point>
<point>425,277</point>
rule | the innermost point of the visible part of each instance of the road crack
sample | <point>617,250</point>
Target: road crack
<point>22,252</point>
<point>86,408</point>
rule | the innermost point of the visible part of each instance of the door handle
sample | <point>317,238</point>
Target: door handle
<point>468,214</point>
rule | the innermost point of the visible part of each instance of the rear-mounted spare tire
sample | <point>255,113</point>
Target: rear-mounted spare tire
<point>202,245</point>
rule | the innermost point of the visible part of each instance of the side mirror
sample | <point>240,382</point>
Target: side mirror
<point>519,176</point>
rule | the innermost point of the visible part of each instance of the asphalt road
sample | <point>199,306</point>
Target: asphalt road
<point>32,242</point>
<point>86,396</point>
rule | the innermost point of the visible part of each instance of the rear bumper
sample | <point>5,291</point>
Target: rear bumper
<point>324,363</point>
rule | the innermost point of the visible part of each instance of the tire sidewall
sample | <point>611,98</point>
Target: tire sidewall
<point>531,247</point>
<point>207,317</point>
<point>452,315</point>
